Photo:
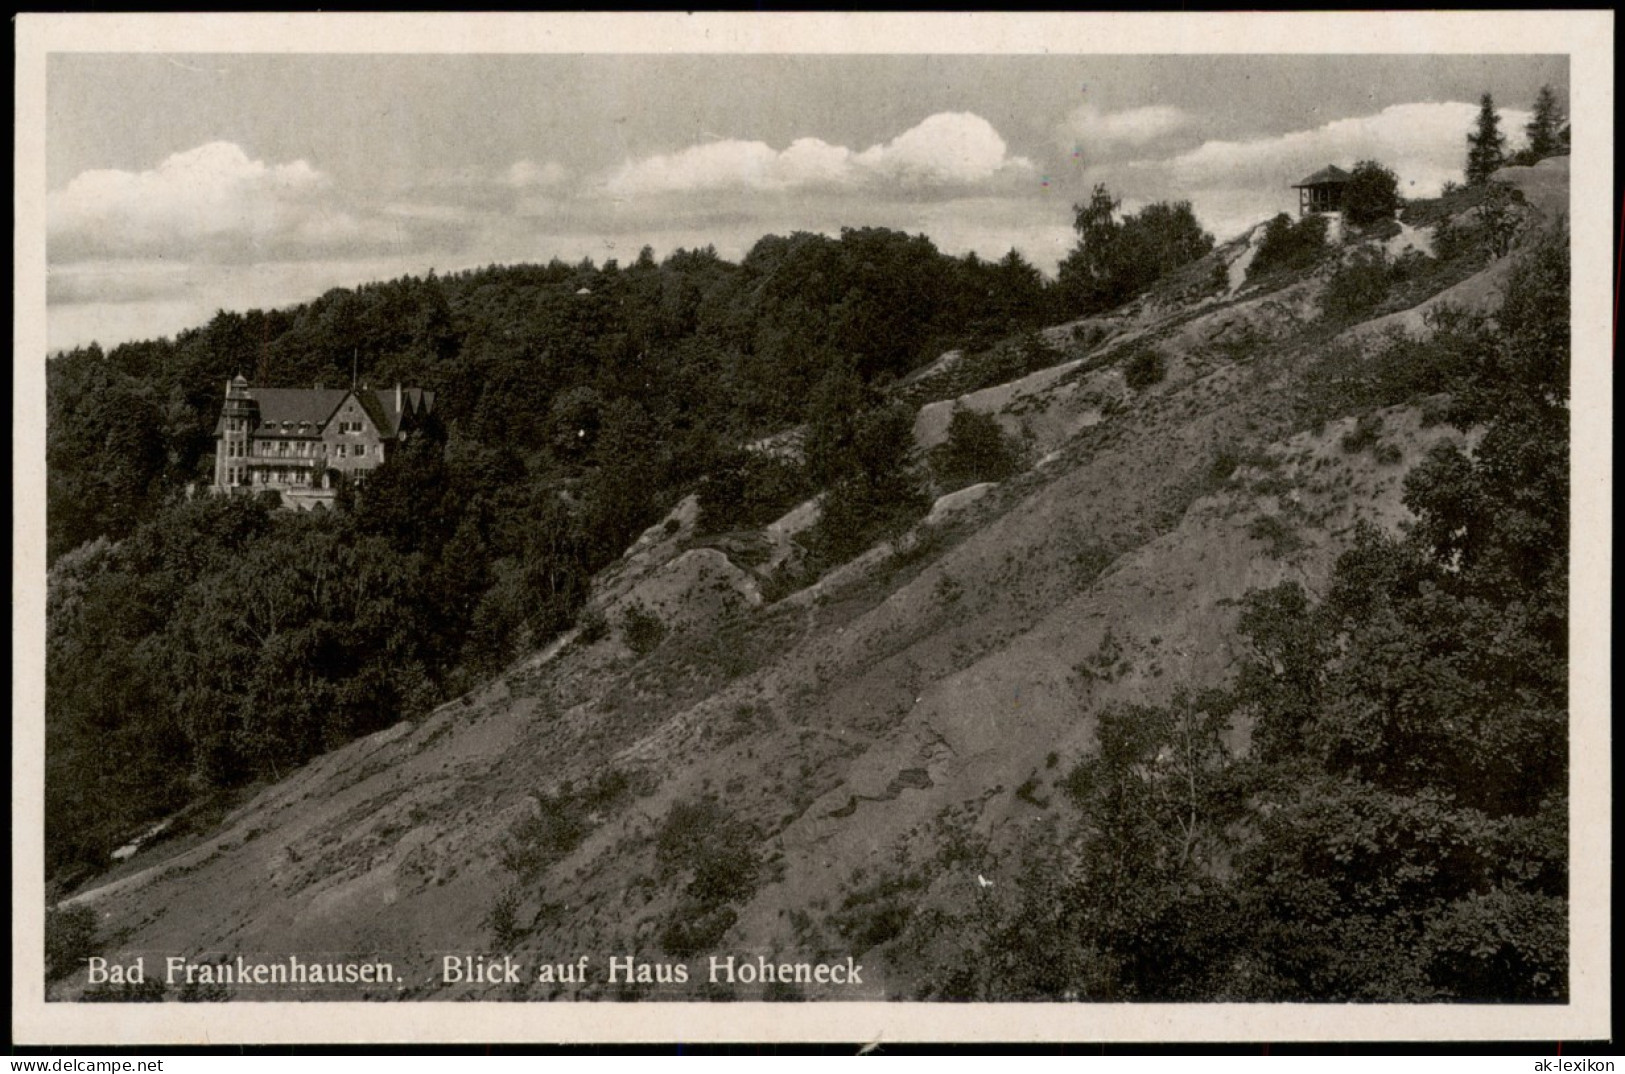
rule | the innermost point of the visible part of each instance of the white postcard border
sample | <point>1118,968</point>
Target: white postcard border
<point>1586,37</point>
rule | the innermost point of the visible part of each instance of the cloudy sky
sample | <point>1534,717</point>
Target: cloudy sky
<point>182,184</point>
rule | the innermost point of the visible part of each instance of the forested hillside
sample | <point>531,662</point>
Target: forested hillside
<point>575,405</point>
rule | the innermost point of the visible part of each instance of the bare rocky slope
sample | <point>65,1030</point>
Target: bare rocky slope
<point>907,715</point>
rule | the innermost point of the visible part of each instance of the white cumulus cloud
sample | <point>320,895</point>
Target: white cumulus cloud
<point>946,150</point>
<point>214,200</point>
<point>712,166</point>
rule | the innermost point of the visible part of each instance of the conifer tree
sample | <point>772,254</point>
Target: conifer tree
<point>1543,126</point>
<point>1486,145</point>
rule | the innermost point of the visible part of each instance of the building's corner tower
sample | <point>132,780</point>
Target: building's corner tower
<point>237,423</point>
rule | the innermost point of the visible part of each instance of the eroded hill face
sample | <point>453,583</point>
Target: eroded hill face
<point>720,768</point>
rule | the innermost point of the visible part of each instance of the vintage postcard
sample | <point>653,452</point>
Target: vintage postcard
<point>922,527</point>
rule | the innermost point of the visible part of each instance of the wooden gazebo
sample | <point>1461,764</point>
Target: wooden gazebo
<point>1322,192</point>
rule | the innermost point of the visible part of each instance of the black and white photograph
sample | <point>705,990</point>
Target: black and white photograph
<point>578,520</point>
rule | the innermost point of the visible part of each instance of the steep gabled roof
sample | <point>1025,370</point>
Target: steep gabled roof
<point>1331,173</point>
<point>303,411</point>
<point>312,406</point>
<point>315,407</point>
<point>382,414</point>
<point>295,405</point>
<point>380,406</point>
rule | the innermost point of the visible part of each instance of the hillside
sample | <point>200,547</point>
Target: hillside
<point>737,756</point>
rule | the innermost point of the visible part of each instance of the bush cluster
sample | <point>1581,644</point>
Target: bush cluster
<point>878,912</point>
<point>1371,196</point>
<point>1145,366</point>
<point>1288,245</point>
<point>641,629</point>
<point>976,450</point>
<point>70,939</point>
<point>561,821</point>
<point>745,489</point>
<point>1485,230</point>
<point>1400,368</point>
<point>1358,286</point>
<point>874,490</point>
<point>1116,259</point>
<point>717,853</point>
<point>1366,433</point>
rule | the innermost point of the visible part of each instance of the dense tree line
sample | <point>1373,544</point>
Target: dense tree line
<point>536,357</point>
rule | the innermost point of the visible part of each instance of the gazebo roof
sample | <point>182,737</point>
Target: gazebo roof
<point>1331,173</point>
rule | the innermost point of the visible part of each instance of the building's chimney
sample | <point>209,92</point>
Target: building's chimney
<point>397,397</point>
